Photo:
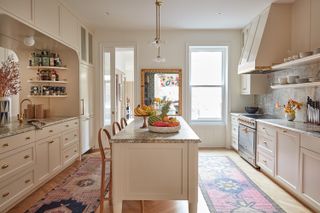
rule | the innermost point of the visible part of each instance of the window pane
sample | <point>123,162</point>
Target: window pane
<point>107,88</point>
<point>206,68</point>
<point>206,103</point>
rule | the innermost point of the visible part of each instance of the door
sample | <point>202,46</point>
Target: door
<point>109,83</point>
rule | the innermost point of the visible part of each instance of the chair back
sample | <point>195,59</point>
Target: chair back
<point>123,122</point>
<point>115,128</point>
<point>107,137</point>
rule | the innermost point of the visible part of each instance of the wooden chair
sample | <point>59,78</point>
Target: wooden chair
<point>116,128</point>
<point>123,123</point>
<point>106,154</point>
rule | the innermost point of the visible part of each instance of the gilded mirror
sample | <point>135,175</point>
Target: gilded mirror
<point>164,84</point>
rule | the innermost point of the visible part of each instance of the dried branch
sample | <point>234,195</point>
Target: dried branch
<point>9,77</point>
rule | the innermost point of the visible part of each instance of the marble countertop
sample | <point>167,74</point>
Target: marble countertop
<point>14,127</point>
<point>301,127</point>
<point>134,134</point>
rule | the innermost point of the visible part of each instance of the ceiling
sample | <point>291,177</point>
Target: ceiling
<point>175,14</point>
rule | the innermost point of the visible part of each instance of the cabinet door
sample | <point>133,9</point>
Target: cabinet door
<point>287,158</point>
<point>83,38</point>
<point>42,153</point>
<point>69,28</point>
<point>85,134</point>
<point>245,84</point>
<point>54,154</point>
<point>90,48</point>
<point>47,13</point>
<point>310,176</point>
<point>19,8</point>
<point>315,28</point>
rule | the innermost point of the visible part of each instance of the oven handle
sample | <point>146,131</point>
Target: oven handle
<point>247,129</point>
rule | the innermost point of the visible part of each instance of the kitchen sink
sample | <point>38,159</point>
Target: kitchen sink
<point>36,123</point>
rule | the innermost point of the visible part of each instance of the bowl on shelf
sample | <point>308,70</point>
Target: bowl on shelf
<point>291,79</point>
<point>251,110</point>
<point>302,80</point>
<point>305,54</point>
<point>316,51</point>
<point>283,80</point>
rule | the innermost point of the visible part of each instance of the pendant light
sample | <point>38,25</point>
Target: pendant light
<point>157,41</point>
<point>159,59</point>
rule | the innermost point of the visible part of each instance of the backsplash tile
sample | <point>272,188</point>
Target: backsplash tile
<point>267,102</point>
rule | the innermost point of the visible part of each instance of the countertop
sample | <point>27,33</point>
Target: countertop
<point>14,127</point>
<point>301,127</point>
<point>134,134</point>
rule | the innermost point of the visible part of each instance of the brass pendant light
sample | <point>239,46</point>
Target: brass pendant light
<point>157,41</point>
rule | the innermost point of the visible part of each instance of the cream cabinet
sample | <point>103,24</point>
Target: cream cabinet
<point>315,28</point>
<point>86,46</point>
<point>22,9</point>
<point>70,28</point>
<point>47,16</point>
<point>287,153</point>
<point>254,84</point>
<point>310,170</point>
<point>49,151</point>
<point>234,131</point>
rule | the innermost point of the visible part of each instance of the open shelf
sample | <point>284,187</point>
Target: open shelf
<point>298,62</point>
<point>310,84</point>
<point>47,82</point>
<point>46,67</point>
<point>47,96</point>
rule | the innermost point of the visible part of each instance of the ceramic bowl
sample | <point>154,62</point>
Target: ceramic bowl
<point>292,79</point>
<point>251,110</point>
<point>283,80</point>
<point>305,54</point>
<point>302,80</point>
<point>316,51</point>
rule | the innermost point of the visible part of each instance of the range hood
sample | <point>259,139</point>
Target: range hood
<point>267,40</point>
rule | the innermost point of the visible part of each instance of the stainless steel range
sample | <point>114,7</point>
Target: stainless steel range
<point>248,136</point>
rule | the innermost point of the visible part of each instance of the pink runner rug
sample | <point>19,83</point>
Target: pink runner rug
<point>79,192</point>
<point>226,188</point>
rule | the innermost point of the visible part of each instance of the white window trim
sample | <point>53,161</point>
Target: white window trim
<point>224,50</point>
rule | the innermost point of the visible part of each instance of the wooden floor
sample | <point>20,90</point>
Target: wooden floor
<point>284,200</point>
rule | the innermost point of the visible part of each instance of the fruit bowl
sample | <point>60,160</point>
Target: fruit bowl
<point>164,129</point>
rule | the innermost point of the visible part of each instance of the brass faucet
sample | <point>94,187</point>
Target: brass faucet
<point>22,115</point>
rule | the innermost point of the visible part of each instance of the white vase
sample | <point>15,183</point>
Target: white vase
<point>291,116</point>
<point>5,110</point>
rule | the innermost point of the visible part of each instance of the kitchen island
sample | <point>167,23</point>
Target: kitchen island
<point>152,166</point>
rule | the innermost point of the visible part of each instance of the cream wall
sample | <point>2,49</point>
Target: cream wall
<point>175,52</point>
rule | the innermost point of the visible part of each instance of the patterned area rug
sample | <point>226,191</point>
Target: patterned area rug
<point>228,189</point>
<point>79,192</point>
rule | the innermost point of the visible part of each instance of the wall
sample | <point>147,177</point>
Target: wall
<point>175,53</point>
<point>267,102</point>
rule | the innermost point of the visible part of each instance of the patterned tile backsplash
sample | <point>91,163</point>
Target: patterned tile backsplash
<point>267,102</point>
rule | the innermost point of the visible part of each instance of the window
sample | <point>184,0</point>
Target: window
<point>207,82</point>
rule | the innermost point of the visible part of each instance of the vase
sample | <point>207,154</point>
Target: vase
<point>291,116</point>
<point>5,110</point>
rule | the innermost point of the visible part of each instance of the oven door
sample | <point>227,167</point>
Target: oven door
<point>247,144</point>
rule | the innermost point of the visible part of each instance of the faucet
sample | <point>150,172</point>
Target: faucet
<point>21,115</point>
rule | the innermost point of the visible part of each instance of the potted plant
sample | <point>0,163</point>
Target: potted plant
<point>10,85</point>
<point>290,109</point>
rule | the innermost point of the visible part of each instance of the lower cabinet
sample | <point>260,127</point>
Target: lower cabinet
<point>234,131</point>
<point>287,158</point>
<point>49,151</point>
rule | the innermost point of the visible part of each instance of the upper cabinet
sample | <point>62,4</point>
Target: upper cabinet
<point>47,16</point>
<point>267,39</point>
<point>70,28</point>
<point>21,9</point>
<point>86,46</point>
<point>315,28</point>
<point>254,84</point>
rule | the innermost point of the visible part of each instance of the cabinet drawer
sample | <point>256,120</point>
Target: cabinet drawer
<point>267,130</point>
<point>12,142</point>
<point>266,143</point>
<point>311,143</point>
<point>234,119</point>
<point>234,130</point>
<point>266,162</point>
<point>70,137</point>
<point>49,131</point>
<point>70,153</point>
<point>11,191</point>
<point>16,160</point>
<point>71,124</point>
<point>234,143</point>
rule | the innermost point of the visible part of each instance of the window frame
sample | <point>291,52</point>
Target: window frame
<point>210,48</point>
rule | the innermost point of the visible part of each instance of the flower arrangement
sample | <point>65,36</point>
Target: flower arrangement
<point>290,108</point>
<point>9,78</point>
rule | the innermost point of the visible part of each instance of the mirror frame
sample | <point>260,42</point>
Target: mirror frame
<point>169,71</point>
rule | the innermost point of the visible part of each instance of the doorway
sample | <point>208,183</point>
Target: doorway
<point>118,84</point>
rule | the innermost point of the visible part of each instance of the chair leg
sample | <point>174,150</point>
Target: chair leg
<point>110,185</point>
<point>103,186</point>
<point>142,206</point>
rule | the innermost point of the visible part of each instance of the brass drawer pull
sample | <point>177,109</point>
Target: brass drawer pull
<point>66,139</point>
<point>67,125</point>
<point>75,123</point>
<point>28,138</point>
<point>51,142</point>
<point>27,181</point>
<point>4,166</point>
<point>5,145</point>
<point>66,156</point>
<point>75,135</point>
<point>5,194</point>
<point>75,151</point>
<point>265,162</point>
<point>26,157</point>
<point>50,130</point>
<point>284,131</point>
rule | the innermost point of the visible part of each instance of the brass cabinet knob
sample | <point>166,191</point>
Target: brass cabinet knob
<point>67,125</point>
<point>51,142</point>
<point>28,138</point>
<point>26,157</point>
<point>66,156</point>
<point>50,130</point>
<point>4,166</point>
<point>5,145</point>
<point>27,181</point>
<point>6,194</point>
